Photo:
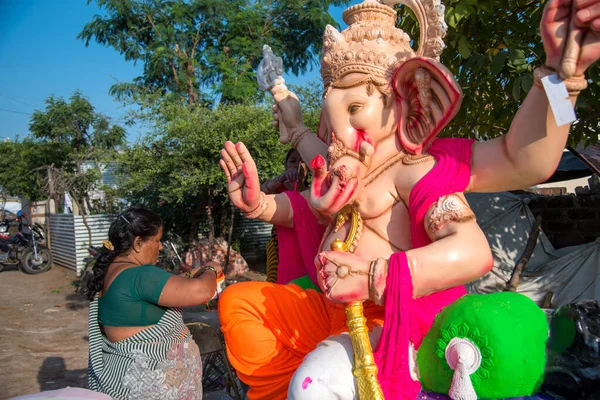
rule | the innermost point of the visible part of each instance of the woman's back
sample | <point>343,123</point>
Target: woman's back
<point>131,298</point>
<point>140,347</point>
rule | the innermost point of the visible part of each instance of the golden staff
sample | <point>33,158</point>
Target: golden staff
<point>365,369</point>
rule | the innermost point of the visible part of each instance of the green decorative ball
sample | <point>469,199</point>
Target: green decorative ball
<point>509,330</point>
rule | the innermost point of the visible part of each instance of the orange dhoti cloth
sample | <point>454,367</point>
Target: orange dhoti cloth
<point>270,328</point>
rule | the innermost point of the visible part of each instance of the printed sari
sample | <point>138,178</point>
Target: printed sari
<point>161,362</point>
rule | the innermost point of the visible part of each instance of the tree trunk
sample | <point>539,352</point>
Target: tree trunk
<point>548,300</point>
<point>88,205</point>
<point>195,219</point>
<point>229,239</point>
<point>211,222</point>
<point>515,278</point>
<point>3,197</point>
<point>189,71</point>
<point>51,192</point>
<point>222,228</point>
<point>83,218</point>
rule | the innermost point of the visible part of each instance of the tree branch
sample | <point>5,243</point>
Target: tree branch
<point>515,278</point>
<point>196,40</point>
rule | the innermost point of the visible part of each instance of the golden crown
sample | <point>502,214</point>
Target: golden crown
<point>373,45</point>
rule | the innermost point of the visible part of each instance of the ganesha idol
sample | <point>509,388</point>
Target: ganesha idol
<point>384,239</point>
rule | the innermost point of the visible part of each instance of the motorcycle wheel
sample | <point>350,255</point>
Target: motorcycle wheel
<point>32,266</point>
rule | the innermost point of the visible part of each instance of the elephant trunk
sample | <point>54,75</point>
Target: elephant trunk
<point>336,186</point>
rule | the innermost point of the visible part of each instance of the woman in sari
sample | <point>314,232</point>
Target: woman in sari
<point>140,347</point>
<point>294,179</point>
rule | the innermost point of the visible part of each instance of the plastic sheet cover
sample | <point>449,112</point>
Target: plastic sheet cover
<point>570,273</point>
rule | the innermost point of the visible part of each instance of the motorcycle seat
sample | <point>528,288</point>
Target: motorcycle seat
<point>6,239</point>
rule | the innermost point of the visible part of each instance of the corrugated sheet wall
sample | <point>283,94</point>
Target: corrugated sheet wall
<point>69,237</point>
<point>253,236</point>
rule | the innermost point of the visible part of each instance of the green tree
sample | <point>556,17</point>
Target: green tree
<point>187,46</point>
<point>91,138</point>
<point>176,166</point>
<point>21,163</point>
<point>493,46</point>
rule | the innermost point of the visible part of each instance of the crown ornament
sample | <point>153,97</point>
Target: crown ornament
<point>373,45</point>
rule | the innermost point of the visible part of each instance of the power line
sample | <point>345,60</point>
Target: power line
<point>14,112</point>
<point>19,101</point>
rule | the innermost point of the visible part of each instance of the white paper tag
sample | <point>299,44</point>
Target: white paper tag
<point>558,96</point>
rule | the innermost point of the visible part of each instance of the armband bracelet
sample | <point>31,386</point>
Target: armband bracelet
<point>211,268</point>
<point>192,273</point>
<point>260,209</point>
<point>377,280</point>
<point>298,135</point>
<point>574,85</point>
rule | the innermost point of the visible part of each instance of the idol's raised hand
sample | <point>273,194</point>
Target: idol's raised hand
<point>242,177</point>
<point>571,34</point>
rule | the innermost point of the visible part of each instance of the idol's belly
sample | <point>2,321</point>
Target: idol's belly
<point>378,237</point>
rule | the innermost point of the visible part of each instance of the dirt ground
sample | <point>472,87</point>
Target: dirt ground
<point>43,334</point>
<point>43,331</point>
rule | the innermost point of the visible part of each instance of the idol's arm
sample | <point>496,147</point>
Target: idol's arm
<point>527,155</point>
<point>459,252</point>
<point>287,117</point>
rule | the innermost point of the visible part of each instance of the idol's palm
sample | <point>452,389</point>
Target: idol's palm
<point>242,177</point>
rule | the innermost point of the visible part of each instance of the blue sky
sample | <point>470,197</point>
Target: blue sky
<point>40,56</point>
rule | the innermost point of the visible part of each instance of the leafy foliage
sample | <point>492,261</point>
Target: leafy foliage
<point>178,169</point>
<point>175,170</point>
<point>492,48</point>
<point>75,123</point>
<point>90,137</point>
<point>21,162</point>
<point>189,45</point>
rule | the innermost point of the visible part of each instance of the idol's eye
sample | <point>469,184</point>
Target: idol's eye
<point>353,108</point>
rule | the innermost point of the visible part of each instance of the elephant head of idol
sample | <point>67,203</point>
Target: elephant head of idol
<point>380,96</point>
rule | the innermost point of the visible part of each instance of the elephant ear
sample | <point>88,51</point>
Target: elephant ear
<point>431,98</point>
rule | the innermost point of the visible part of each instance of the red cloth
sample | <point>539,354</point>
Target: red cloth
<point>298,246</point>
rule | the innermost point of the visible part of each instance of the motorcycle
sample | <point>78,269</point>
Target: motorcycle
<point>87,273</point>
<point>25,248</point>
<point>4,227</point>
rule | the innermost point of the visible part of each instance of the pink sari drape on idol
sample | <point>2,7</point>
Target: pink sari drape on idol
<point>299,246</point>
<point>407,320</point>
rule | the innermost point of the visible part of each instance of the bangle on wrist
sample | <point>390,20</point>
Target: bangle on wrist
<point>298,135</point>
<point>210,268</point>
<point>260,209</point>
<point>192,273</point>
<point>195,274</point>
<point>377,280</point>
<point>574,85</point>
